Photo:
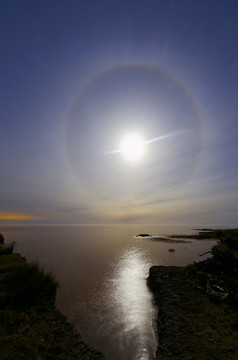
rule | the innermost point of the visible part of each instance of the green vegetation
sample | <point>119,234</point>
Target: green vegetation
<point>218,275</point>
<point>23,283</point>
<point>226,252</point>
<point>31,327</point>
<point>1,239</point>
<point>28,284</point>
<point>22,286</point>
<point>9,262</point>
<point>7,249</point>
<point>198,304</point>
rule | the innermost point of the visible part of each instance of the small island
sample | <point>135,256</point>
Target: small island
<point>198,303</point>
<point>143,235</point>
<point>31,326</point>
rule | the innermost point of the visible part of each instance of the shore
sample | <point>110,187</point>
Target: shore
<point>31,326</point>
<point>198,317</point>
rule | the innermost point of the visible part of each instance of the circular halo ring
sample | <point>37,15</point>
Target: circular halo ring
<point>119,69</point>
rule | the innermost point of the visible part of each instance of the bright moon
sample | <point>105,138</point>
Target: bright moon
<point>133,146</point>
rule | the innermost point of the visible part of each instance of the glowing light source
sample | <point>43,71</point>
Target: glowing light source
<point>132,146</point>
<point>16,216</point>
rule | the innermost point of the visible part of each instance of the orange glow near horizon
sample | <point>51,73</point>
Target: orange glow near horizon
<point>16,216</point>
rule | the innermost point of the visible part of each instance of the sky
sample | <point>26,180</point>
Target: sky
<point>79,76</point>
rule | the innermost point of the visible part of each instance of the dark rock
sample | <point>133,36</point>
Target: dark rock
<point>189,325</point>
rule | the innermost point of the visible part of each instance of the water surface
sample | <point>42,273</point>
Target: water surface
<point>102,271</point>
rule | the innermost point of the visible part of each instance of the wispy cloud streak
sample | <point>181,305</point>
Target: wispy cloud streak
<point>166,136</point>
<point>162,137</point>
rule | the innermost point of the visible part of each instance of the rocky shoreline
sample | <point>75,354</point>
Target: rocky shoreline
<point>192,323</point>
<point>42,333</point>
<point>197,318</point>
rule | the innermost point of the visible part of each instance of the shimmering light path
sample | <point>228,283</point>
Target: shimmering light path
<point>102,272</point>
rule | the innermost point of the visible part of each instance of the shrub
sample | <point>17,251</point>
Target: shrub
<point>232,242</point>
<point>226,258</point>
<point>202,279</point>
<point>1,239</point>
<point>221,252</point>
<point>191,270</point>
<point>10,261</point>
<point>7,249</point>
<point>29,284</point>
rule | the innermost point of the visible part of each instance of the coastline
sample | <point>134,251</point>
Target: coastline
<point>42,332</point>
<point>31,326</point>
<point>194,321</point>
<point>190,326</point>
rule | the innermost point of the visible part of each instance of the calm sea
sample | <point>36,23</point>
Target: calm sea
<point>102,271</point>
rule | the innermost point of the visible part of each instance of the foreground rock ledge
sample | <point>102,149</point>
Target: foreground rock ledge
<point>43,333</point>
<point>190,326</point>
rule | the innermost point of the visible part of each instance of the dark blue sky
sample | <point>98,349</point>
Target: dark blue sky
<point>77,76</point>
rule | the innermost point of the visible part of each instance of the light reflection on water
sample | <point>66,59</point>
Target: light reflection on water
<point>121,310</point>
<point>102,272</point>
<point>132,298</point>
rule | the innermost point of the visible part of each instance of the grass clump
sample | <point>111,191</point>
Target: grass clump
<point>18,347</point>
<point>10,261</point>
<point>225,252</point>
<point>202,278</point>
<point>218,275</point>
<point>31,328</point>
<point>1,239</point>
<point>29,284</point>
<point>7,249</point>
<point>21,282</point>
